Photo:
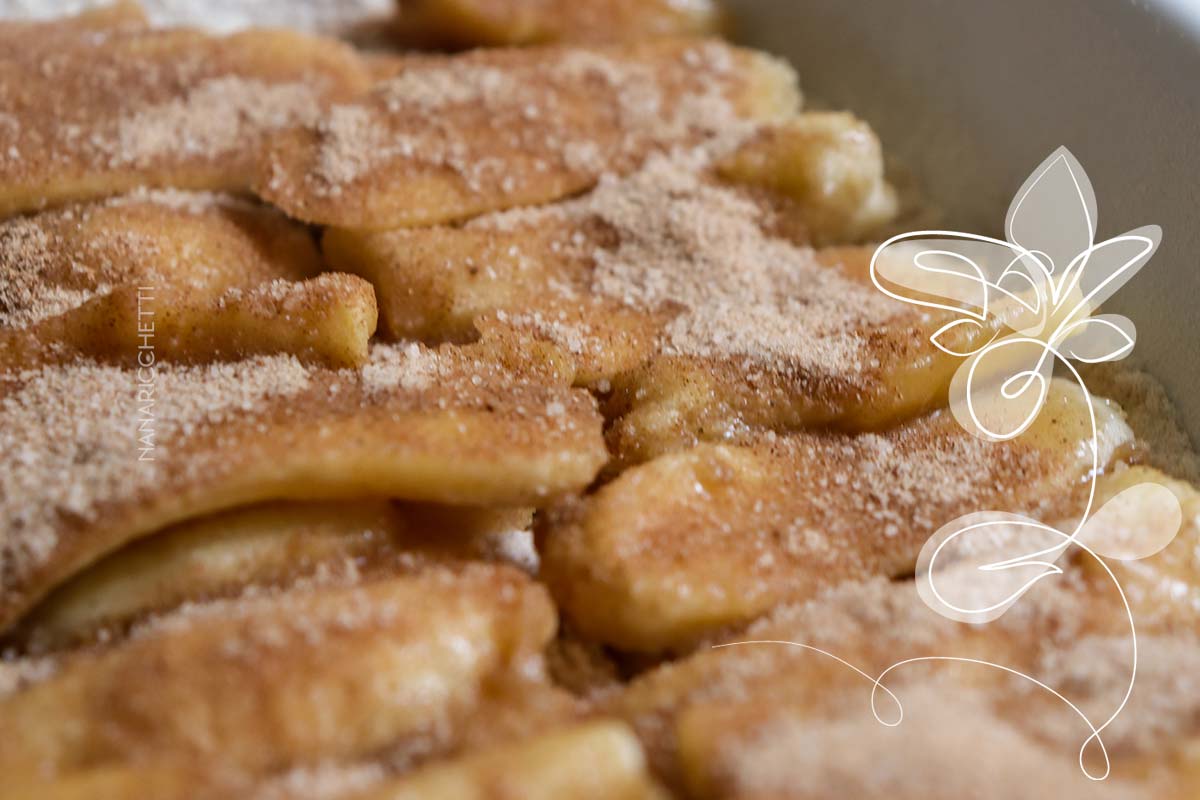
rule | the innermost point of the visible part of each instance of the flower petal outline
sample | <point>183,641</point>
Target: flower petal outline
<point>1105,337</point>
<point>1096,274</point>
<point>1053,215</point>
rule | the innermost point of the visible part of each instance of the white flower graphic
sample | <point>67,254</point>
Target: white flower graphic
<point>1021,307</point>
<point>1031,300</point>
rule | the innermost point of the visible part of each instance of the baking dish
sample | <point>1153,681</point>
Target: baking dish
<point>971,96</point>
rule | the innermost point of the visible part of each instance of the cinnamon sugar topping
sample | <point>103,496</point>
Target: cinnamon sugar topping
<point>26,256</point>
<point>746,293</point>
<point>198,243</point>
<point>692,303</point>
<point>687,244</point>
<point>94,112</point>
<point>521,96</point>
<point>72,485</point>
<point>449,137</point>
<point>410,367</point>
<point>214,118</point>
<point>68,435</point>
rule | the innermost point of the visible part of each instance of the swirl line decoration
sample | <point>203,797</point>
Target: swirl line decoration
<point>1022,306</point>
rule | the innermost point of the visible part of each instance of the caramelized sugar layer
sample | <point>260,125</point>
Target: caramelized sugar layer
<point>201,277</point>
<point>450,137</point>
<point>489,424</point>
<point>97,107</point>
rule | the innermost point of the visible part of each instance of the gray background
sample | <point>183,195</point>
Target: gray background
<point>973,94</point>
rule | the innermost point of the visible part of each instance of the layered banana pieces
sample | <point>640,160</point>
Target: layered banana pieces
<point>103,104</point>
<point>510,414</point>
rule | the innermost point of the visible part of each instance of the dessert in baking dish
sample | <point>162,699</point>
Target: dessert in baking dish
<point>415,425</point>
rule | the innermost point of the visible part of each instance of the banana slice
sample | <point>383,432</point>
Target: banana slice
<point>454,136</point>
<point>91,459</point>
<point>103,105</point>
<point>260,685</point>
<point>696,541</point>
<point>198,276</point>
<point>760,750</point>
<point>824,177</point>
<point>692,299</point>
<point>782,711</point>
<point>270,545</point>
<point>830,164</point>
